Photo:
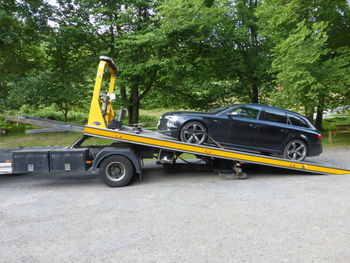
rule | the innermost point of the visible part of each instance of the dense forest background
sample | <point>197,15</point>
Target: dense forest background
<point>195,54</point>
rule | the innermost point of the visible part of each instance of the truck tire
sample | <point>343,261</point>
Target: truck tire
<point>116,171</point>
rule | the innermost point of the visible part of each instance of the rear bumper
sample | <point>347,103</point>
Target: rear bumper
<point>315,149</point>
<point>6,168</point>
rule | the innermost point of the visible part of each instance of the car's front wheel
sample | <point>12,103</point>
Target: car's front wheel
<point>193,132</point>
<point>295,150</point>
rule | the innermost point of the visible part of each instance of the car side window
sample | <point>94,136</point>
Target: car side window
<point>294,120</point>
<point>248,112</point>
<point>275,116</point>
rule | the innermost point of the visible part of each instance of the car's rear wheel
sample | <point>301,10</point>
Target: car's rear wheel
<point>295,150</point>
<point>193,132</point>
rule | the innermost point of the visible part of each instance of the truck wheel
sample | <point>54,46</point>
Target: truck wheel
<point>116,171</point>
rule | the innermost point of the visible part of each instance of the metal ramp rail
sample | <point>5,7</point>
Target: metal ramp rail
<point>57,125</point>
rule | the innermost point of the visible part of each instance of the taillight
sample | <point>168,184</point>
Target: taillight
<point>319,136</point>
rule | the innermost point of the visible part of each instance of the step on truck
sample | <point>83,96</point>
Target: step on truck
<point>118,162</point>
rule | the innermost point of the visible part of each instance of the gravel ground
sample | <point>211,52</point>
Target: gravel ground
<point>177,216</point>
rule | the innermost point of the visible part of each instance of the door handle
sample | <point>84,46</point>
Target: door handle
<point>253,126</point>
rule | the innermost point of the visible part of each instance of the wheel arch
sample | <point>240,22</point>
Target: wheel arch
<point>301,138</point>
<point>295,136</point>
<point>121,175</point>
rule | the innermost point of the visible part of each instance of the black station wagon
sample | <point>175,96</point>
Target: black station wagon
<point>252,127</point>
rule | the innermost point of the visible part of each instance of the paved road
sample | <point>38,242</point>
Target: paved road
<point>176,216</point>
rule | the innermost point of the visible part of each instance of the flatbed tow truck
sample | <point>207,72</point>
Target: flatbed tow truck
<point>120,161</point>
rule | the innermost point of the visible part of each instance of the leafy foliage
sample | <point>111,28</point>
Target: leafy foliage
<point>175,53</point>
<point>309,51</point>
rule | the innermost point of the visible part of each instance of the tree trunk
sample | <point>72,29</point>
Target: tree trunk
<point>134,106</point>
<point>133,112</point>
<point>319,114</point>
<point>255,91</point>
<point>64,109</point>
<point>130,113</point>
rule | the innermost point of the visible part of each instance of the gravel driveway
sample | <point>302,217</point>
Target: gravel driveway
<point>177,216</point>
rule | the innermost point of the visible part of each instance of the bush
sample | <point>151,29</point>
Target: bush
<point>47,112</point>
<point>52,113</point>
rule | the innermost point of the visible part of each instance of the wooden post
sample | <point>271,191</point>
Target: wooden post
<point>330,136</point>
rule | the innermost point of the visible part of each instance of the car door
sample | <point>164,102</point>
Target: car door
<point>274,129</point>
<point>244,126</point>
<point>218,126</point>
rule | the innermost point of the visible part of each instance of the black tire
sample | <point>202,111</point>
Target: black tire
<point>193,132</point>
<point>116,171</point>
<point>295,150</point>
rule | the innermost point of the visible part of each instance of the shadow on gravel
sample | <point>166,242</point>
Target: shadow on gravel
<point>49,180</point>
<point>268,171</point>
<point>152,173</point>
<point>184,172</point>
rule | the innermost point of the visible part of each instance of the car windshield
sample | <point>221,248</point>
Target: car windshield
<point>218,110</point>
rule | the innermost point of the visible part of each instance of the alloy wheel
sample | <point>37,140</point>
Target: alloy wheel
<point>296,150</point>
<point>193,132</point>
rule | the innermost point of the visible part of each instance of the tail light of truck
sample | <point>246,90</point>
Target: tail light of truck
<point>319,136</point>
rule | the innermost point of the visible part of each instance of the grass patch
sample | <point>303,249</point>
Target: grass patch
<point>46,139</point>
<point>18,138</point>
<point>56,139</point>
<point>340,139</point>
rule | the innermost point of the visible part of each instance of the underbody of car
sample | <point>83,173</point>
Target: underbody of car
<point>251,127</point>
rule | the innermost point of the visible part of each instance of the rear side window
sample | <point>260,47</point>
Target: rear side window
<point>296,121</point>
<point>275,116</point>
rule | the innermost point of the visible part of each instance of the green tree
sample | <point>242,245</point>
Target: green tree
<point>117,29</point>
<point>310,40</point>
<point>244,51</point>
<point>68,71</point>
<point>22,27</point>
<point>185,49</point>
<point>213,52</point>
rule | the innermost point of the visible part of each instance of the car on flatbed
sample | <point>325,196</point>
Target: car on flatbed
<point>251,127</point>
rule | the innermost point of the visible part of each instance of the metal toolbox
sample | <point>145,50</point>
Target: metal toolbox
<point>29,161</point>
<point>68,160</point>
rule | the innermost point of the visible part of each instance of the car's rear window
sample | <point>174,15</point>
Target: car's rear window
<point>296,121</point>
<point>275,116</point>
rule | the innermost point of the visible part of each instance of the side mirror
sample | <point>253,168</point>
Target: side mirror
<point>232,114</point>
